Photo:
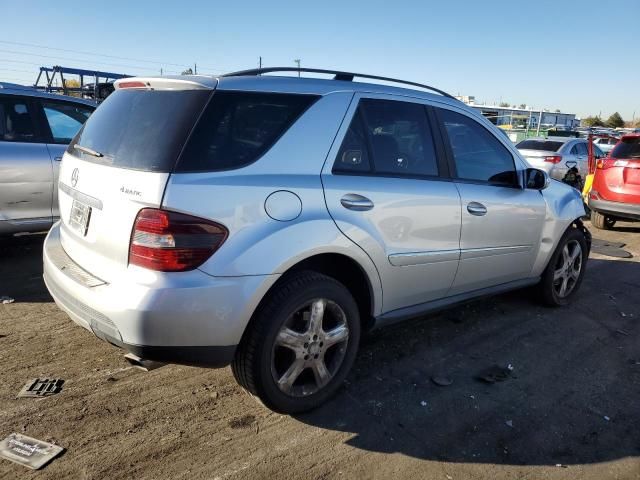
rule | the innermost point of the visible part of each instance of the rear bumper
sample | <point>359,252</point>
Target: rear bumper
<point>616,209</point>
<point>188,318</point>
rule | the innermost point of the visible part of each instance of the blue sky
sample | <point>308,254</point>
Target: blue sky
<point>580,57</point>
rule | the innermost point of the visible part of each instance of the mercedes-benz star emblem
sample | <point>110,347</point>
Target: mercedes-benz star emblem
<point>74,177</point>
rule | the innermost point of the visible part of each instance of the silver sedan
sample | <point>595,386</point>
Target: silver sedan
<point>557,155</point>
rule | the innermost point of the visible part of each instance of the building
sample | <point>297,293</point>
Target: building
<point>521,118</point>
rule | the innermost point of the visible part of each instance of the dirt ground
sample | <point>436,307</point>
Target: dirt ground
<point>572,368</point>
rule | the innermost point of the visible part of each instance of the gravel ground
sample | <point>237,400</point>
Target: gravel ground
<point>572,367</point>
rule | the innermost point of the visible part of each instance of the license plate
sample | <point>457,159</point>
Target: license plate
<point>80,216</point>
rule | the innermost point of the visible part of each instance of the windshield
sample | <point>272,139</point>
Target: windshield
<point>139,129</point>
<point>627,148</point>
<point>544,145</point>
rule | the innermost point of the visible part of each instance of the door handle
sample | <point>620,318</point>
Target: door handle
<point>58,159</point>
<point>477,209</point>
<point>356,202</point>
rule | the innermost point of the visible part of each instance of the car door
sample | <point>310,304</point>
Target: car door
<point>25,167</point>
<point>387,188</point>
<point>62,121</point>
<point>582,157</point>
<point>501,221</point>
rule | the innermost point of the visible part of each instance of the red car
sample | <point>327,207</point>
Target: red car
<point>615,194</point>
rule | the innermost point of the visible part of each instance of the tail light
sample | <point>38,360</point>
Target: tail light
<point>553,159</point>
<point>132,84</point>
<point>605,163</point>
<point>173,242</point>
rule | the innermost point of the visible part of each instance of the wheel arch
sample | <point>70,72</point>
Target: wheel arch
<point>344,268</point>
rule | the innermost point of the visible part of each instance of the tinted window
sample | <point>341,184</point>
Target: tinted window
<point>543,145</point>
<point>140,129</point>
<point>239,127</point>
<point>16,123</point>
<point>354,154</point>
<point>582,149</point>
<point>65,119</point>
<point>477,154</point>
<point>398,136</point>
<point>627,148</point>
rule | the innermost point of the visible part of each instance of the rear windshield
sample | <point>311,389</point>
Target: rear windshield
<point>237,128</point>
<point>140,129</point>
<point>627,148</point>
<point>544,145</point>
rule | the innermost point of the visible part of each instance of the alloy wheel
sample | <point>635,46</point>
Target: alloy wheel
<point>310,348</point>
<point>567,269</point>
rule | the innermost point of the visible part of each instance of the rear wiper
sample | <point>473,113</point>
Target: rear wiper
<point>88,150</point>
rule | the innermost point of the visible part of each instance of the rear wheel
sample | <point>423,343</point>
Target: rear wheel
<point>564,273</point>
<point>601,221</point>
<point>301,345</point>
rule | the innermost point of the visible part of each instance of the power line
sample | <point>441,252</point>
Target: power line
<point>13,52</point>
<point>156,62</point>
<point>92,53</point>
<point>15,70</point>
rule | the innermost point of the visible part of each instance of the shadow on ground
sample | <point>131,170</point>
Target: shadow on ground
<point>21,268</point>
<point>573,398</point>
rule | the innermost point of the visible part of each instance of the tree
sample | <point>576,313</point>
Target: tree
<point>615,121</point>
<point>72,84</point>
<point>188,71</point>
<point>523,106</point>
<point>505,104</point>
<point>592,121</point>
<point>557,110</point>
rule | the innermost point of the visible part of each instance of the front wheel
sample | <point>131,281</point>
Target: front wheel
<point>299,348</point>
<point>565,271</point>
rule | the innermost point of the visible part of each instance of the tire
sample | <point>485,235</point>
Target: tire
<point>268,352</point>
<point>601,221</point>
<point>557,271</point>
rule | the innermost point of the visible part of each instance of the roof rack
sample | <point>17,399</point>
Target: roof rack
<point>338,75</point>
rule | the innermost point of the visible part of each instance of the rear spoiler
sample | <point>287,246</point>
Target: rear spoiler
<point>167,83</point>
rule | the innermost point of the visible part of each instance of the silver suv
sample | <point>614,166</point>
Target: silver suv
<point>35,129</point>
<point>267,221</point>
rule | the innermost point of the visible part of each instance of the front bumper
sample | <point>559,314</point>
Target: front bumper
<point>188,317</point>
<point>616,209</point>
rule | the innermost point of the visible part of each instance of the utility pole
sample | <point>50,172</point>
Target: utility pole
<point>539,122</point>
<point>160,71</point>
<point>195,68</point>
<point>260,62</point>
<point>297,60</point>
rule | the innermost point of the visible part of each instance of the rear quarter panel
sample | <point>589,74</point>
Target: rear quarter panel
<point>259,244</point>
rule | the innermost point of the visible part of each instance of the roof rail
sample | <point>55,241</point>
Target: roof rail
<point>338,75</point>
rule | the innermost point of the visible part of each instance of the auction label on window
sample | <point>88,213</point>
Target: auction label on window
<point>28,451</point>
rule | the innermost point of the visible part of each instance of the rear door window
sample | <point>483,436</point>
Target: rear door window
<point>582,148</point>
<point>65,119</point>
<point>140,129</point>
<point>477,154</point>
<point>237,128</point>
<point>353,156</point>
<point>388,137</point>
<point>16,120</point>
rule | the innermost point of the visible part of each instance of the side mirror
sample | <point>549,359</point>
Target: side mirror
<point>536,179</point>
